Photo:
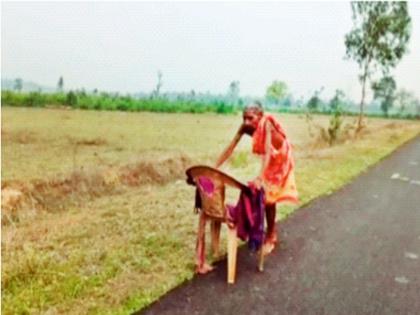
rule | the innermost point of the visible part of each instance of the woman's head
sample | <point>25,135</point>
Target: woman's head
<point>251,115</point>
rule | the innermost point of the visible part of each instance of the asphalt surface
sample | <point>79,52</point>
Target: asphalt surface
<point>356,251</point>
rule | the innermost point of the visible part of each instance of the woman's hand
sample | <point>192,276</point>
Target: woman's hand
<point>258,182</point>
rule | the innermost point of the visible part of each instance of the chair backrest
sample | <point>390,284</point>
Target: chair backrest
<point>211,184</point>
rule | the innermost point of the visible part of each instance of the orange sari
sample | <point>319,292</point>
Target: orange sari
<point>278,177</point>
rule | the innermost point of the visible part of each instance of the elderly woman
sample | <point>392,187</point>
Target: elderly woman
<point>277,167</point>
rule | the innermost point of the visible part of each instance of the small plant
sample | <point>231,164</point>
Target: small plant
<point>332,133</point>
<point>336,122</point>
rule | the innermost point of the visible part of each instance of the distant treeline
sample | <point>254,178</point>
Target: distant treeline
<point>107,101</point>
<point>114,101</point>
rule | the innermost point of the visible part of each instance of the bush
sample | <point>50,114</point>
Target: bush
<point>71,99</point>
<point>332,133</point>
<point>35,99</point>
<point>334,128</point>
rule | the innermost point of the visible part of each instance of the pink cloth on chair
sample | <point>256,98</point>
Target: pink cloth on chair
<point>206,184</point>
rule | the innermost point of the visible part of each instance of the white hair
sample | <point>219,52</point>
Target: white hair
<point>255,106</point>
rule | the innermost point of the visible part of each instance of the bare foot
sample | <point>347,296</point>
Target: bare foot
<point>203,269</point>
<point>269,244</point>
<point>268,248</point>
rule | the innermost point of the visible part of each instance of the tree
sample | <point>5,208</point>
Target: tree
<point>71,98</point>
<point>192,94</point>
<point>60,84</point>
<point>288,101</point>
<point>337,102</point>
<point>159,84</point>
<point>233,93</point>
<point>384,91</point>
<point>18,84</point>
<point>404,101</point>
<point>378,39</point>
<point>276,92</point>
<point>417,106</point>
<point>315,102</point>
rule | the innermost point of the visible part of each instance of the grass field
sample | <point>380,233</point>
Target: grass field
<point>116,252</point>
<point>63,140</point>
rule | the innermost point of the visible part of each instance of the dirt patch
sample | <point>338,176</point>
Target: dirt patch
<point>393,125</point>
<point>22,200</point>
<point>21,137</point>
<point>89,141</point>
<point>153,173</point>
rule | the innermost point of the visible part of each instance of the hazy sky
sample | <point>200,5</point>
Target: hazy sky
<point>197,45</point>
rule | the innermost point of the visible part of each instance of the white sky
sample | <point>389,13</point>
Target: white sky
<point>197,45</point>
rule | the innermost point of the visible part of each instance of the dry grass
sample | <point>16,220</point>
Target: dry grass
<point>118,252</point>
<point>61,137</point>
<point>23,200</point>
<point>58,140</point>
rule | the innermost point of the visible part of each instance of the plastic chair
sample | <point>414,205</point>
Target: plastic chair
<point>211,186</point>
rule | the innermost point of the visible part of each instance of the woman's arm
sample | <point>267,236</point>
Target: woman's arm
<point>266,157</point>
<point>228,151</point>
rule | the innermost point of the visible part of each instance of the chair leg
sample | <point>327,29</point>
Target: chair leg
<point>201,241</point>
<point>261,259</point>
<point>232,252</point>
<point>215,237</point>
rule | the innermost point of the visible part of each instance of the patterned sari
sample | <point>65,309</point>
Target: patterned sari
<point>278,177</point>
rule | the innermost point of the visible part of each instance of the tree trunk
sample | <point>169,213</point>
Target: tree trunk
<point>362,102</point>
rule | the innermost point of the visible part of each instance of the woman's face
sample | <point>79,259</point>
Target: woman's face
<point>251,118</point>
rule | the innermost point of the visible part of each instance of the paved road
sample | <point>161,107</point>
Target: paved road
<point>354,252</point>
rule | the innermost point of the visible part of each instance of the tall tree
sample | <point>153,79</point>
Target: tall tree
<point>60,84</point>
<point>378,40</point>
<point>233,92</point>
<point>158,84</point>
<point>315,102</point>
<point>192,94</point>
<point>405,101</point>
<point>276,91</point>
<point>18,84</point>
<point>384,91</point>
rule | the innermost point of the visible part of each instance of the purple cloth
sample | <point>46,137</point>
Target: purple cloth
<point>248,216</point>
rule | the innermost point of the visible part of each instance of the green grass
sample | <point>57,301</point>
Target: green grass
<point>115,254</point>
<point>112,102</point>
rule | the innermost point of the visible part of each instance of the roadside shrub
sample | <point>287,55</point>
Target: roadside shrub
<point>331,134</point>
